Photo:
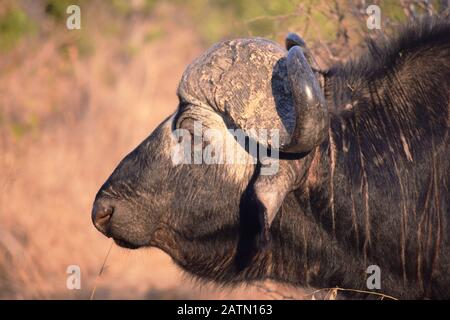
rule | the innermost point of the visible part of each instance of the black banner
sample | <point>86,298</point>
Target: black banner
<point>225,309</point>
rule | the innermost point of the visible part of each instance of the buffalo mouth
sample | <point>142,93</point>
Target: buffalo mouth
<point>125,244</point>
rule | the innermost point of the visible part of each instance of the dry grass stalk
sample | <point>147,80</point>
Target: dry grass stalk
<point>100,272</point>
<point>332,293</point>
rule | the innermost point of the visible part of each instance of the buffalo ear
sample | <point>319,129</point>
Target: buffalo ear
<point>268,193</point>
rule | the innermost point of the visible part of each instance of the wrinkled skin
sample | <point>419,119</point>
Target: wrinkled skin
<point>375,190</point>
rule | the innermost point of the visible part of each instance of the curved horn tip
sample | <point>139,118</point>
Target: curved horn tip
<point>297,61</point>
<point>309,104</point>
<point>293,39</point>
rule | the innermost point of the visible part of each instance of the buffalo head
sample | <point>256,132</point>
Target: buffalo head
<point>206,215</point>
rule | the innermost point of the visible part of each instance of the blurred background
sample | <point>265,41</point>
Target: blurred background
<point>74,102</point>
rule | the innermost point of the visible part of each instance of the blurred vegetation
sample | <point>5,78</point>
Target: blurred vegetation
<point>14,25</point>
<point>272,19</point>
<point>20,128</point>
<point>57,8</point>
<point>218,19</point>
<point>266,18</point>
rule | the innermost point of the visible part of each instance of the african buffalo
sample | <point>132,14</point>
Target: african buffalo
<point>363,174</point>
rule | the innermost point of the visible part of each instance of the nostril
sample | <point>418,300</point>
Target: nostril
<point>101,216</point>
<point>105,212</point>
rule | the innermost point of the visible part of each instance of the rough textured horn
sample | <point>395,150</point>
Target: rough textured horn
<point>246,82</point>
<point>311,123</point>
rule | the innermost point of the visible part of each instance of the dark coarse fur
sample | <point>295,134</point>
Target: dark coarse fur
<point>375,192</point>
<point>386,199</point>
<point>386,171</point>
